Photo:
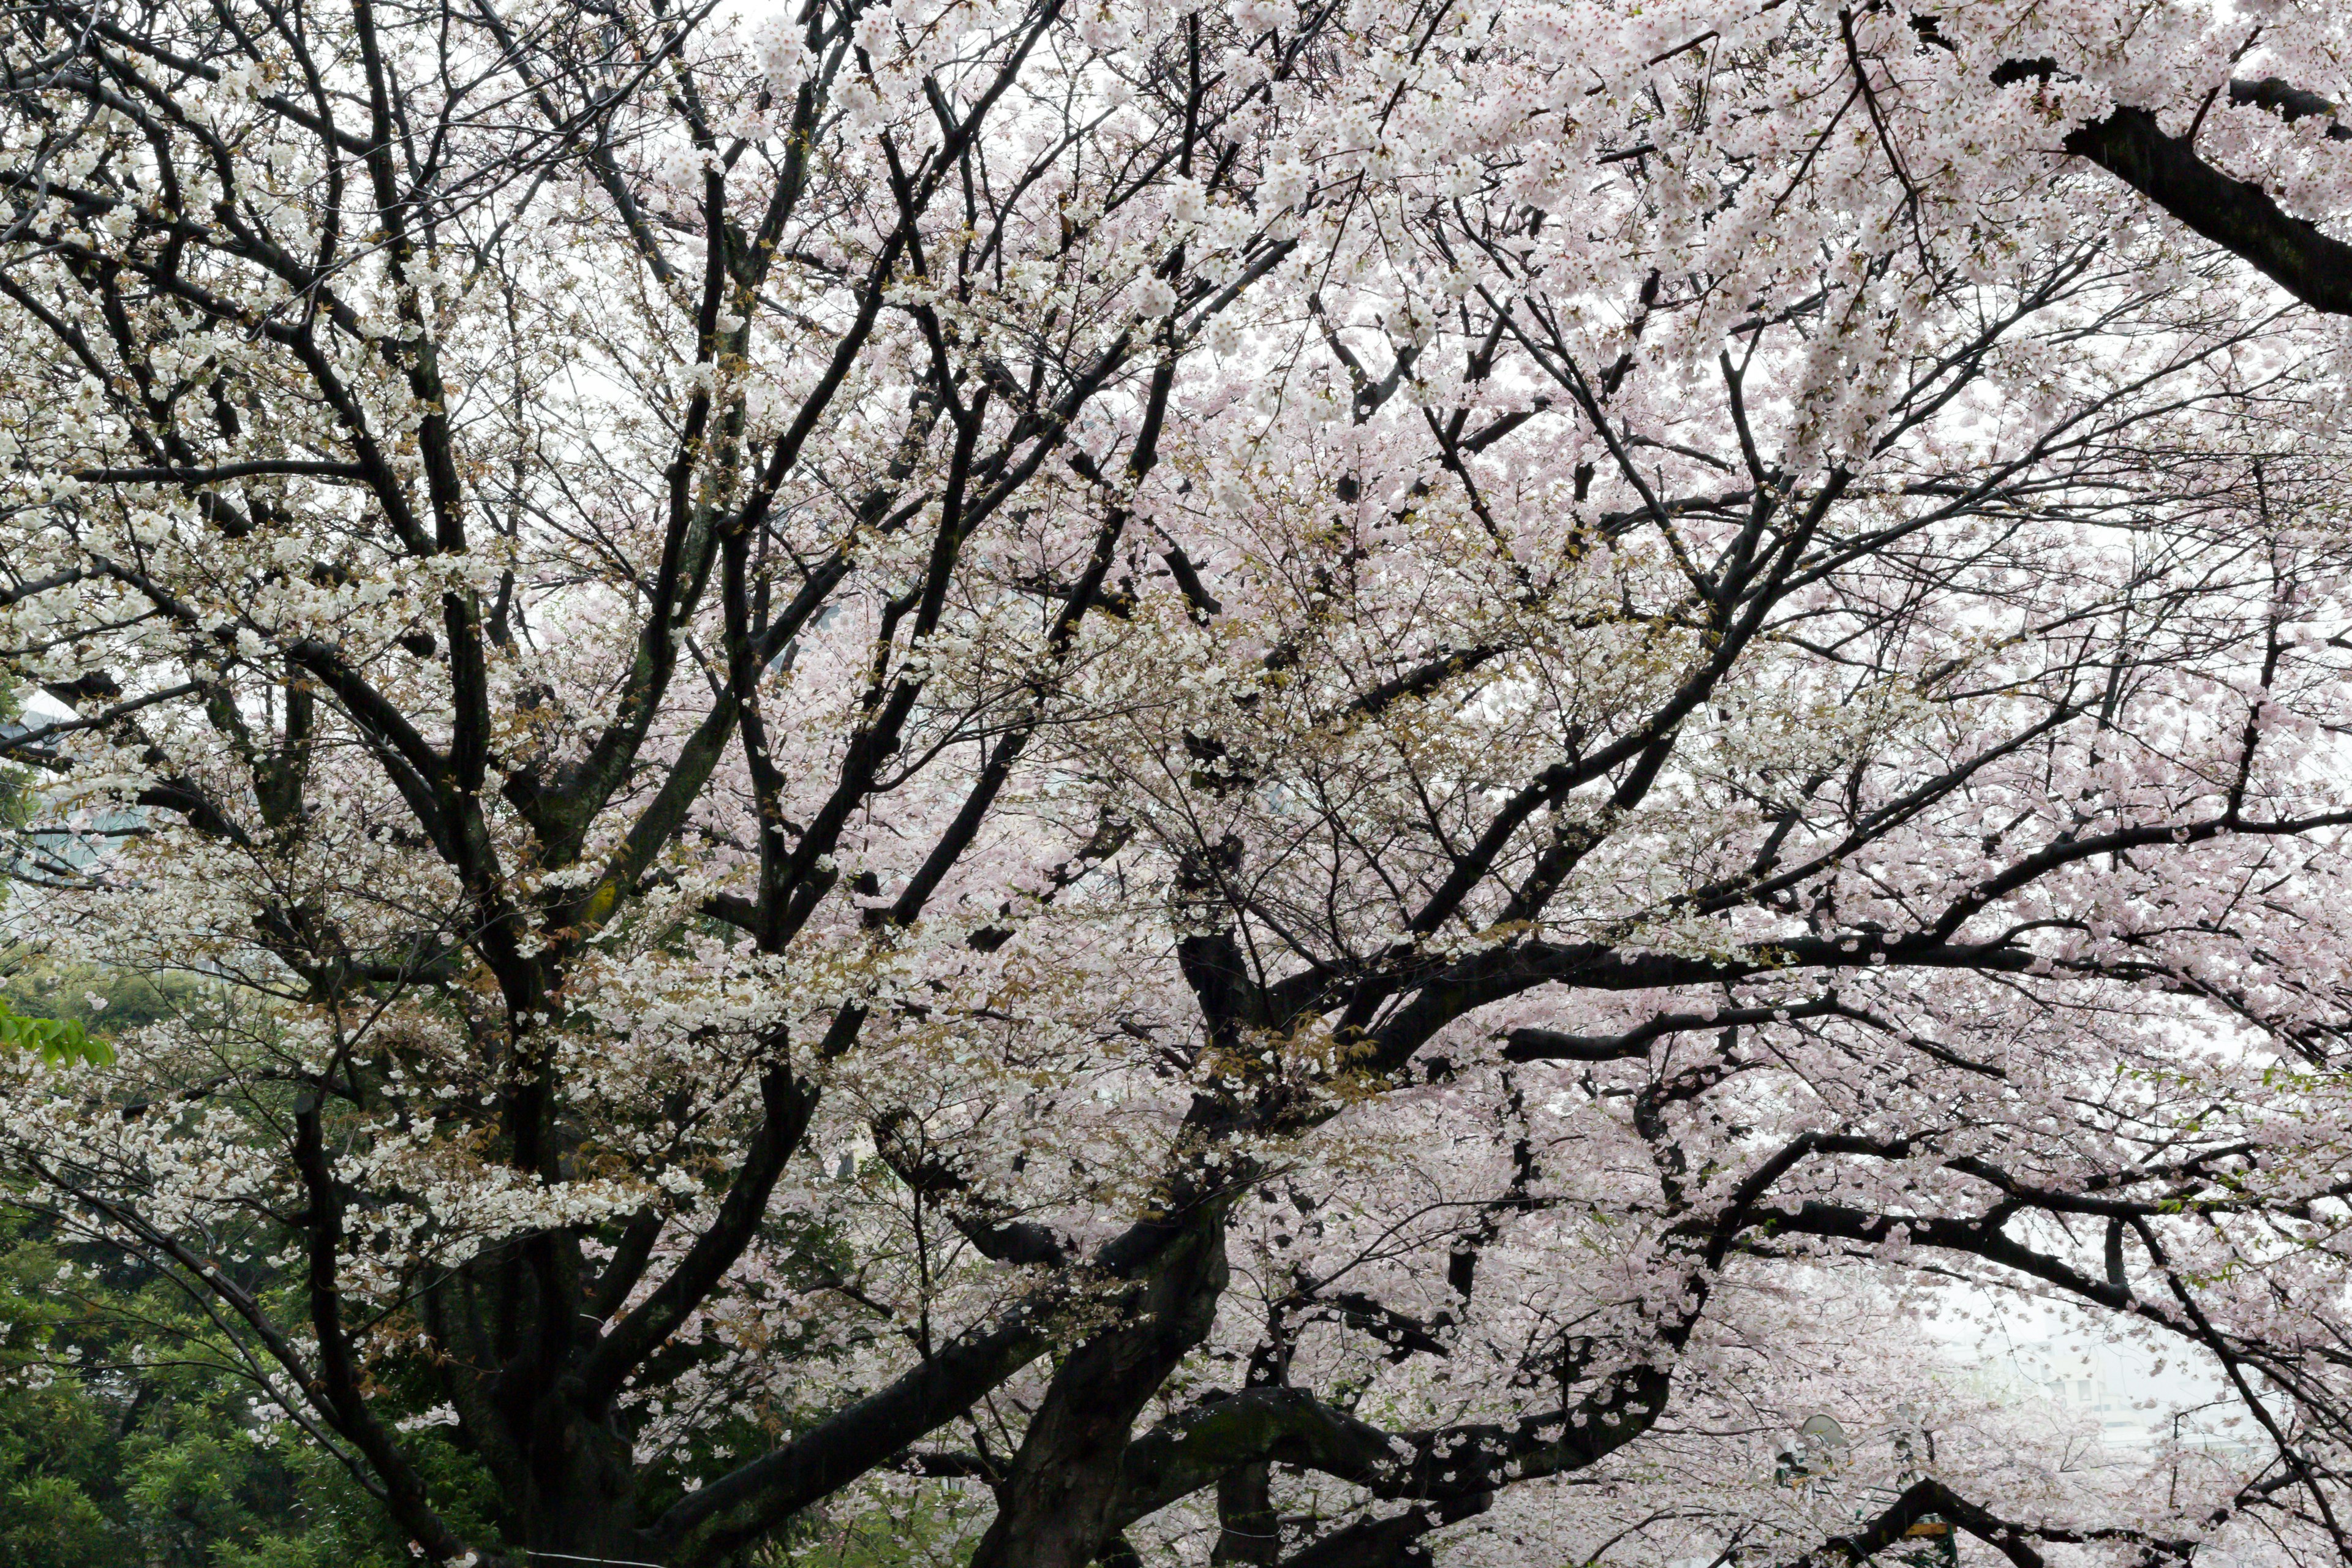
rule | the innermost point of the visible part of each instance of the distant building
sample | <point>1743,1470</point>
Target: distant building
<point>2087,1381</point>
<point>51,848</point>
<point>2133,1404</point>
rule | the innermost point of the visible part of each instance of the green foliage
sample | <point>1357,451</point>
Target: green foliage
<point>69,1012</point>
<point>130,1438</point>
<point>133,1433</point>
<point>60,1040</point>
<point>104,1001</point>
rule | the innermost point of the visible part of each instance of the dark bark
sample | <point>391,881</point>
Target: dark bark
<point>582,1499</point>
<point>1392,1542</point>
<point>1057,1508</point>
<point>1246,1523</point>
<point>2237,215</point>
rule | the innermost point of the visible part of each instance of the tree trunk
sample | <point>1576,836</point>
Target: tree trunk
<point>581,1502</point>
<point>1246,1515</point>
<point>1056,1508</point>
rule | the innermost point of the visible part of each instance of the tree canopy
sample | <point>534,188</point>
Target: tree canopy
<point>1305,784</point>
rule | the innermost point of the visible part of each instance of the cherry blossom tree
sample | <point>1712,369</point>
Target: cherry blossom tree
<point>1314,785</point>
